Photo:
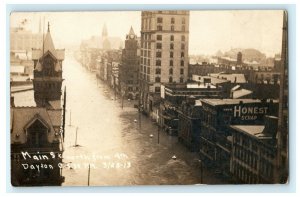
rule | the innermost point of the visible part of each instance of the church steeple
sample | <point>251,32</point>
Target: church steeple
<point>47,80</point>
<point>48,43</point>
<point>104,31</point>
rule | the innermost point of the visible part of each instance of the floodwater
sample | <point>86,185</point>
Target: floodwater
<point>119,146</point>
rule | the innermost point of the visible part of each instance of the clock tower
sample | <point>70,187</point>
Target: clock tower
<point>129,66</point>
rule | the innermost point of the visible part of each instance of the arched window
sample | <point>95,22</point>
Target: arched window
<point>171,71</point>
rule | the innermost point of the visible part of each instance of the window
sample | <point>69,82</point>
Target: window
<point>172,28</point>
<point>159,20</point>
<point>157,79</point>
<point>148,70</point>
<point>170,79</point>
<point>158,63</point>
<point>37,134</point>
<point>183,21</point>
<point>158,54</point>
<point>148,62</point>
<point>172,20</point>
<point>182,63</point>
<point>158,45</point>
<point>182,54</point>
<point>172,38</point>
<point>171,46</point>
<point>182,46</point>
<point>182,38</point>
<point>183,28</point>
<point>157,89</point>
<point>181,71</point>
<point>159,27</point>
<point>171,54</point>
<point>158,37</point>
<point>157,71</point>
<point>181,80</point>
<point>145,61</point>
<point>171,71</point>
<point>171,62</point>
<point>149,53</point>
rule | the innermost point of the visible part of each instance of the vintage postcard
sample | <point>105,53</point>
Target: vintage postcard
<point>161,97</point>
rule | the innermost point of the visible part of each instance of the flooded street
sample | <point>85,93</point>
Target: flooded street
<point>118,146</point>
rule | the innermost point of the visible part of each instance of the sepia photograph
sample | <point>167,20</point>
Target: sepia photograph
<point>149,97</point>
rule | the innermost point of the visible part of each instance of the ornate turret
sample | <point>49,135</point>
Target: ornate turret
<point>47,80</point>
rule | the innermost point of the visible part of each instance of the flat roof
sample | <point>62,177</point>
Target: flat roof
<point>229,101</point>
<point>255,131</point>
<point>236,101</point>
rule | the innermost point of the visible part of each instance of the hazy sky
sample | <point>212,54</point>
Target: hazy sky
<point>210,31</point>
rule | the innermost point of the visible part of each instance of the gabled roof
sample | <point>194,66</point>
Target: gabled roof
<point>21,117</point>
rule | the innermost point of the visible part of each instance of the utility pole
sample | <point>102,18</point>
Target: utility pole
<point>158,132</point>
<point>89,172</point>
<point>76,137</point>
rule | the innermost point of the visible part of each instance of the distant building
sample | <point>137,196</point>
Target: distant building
<point>174,94</point>
<point>129,68</point>
<point>37,131</point>
<point>264,77</point>
<point>164,53</point>
<point>24,40</point>
<point>253,156</point>
<point>239,59</point>
<point>217,115</point>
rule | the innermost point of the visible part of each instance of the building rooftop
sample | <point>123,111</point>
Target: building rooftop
<point>23,117</point>
<point>232,77</point>
<point>241,92</point>
<point>213,80</point>
<point>229,101</point>
<point>255,131</point>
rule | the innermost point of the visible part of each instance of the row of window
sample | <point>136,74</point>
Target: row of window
<point>159,54</point>
<point>159,37</point>
<point>244,174</point>
<point>158,71</point>
<point>160,28</point>
<point>246,156</point>
<point>171,63</point>
<point>160,20</point>
<point>159,46</point>
<point>157,79</point>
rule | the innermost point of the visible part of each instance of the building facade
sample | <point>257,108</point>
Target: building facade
<point>129,68</point>
<point>217,115</point>
<point>254,152</point>
<point>164,53</point>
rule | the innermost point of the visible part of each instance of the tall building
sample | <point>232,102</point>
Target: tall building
<point>164,53</point>
<point>282,157</point>
<point>48,79</point>
<point>129,69</point>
